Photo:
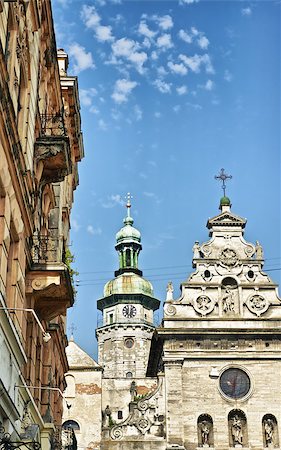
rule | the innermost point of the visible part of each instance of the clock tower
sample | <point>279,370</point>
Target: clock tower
<point>127,307</point>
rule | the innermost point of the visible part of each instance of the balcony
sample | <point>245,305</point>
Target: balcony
<point>48,280</point>
<point>52,149</point>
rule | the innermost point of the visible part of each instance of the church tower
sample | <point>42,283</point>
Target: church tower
<point>127,308</point>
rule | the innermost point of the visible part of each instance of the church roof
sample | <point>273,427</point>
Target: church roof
<point>78,358</point>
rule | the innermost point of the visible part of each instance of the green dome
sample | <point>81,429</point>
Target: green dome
<point>225,201</point>
<point>128,283</point>
<point>128,233</point>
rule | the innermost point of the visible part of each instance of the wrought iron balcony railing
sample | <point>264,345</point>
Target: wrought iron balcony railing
<point>52,125</point>
<point>46,249</point>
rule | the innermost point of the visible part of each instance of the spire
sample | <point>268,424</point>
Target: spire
<point>128,244</point>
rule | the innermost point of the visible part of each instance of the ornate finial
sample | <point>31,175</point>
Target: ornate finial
<point>72,328</point>
<point>128,204</point>
<point>223,177</point>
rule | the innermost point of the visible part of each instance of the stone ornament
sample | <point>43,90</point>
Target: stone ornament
<point>268,431</point>
<point>249,250</point>
<point>228,257</point>
<point>228,301</point>
<point>116,433</point>
<point>203,305</point>
<point>143,424</point>
<point>257,304</point>
<point>236,431</point>
<point>170,310</point>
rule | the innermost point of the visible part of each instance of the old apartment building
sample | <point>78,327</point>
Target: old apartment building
<point>208,377</point>
<point>40,147</point>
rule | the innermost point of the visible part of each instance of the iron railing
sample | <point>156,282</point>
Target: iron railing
<point>52,125</point>
<point>46,249</point>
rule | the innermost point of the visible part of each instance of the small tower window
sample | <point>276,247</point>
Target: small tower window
<point>111,318</point>
<point>129,342</point>
<point>119,415</point>
<point>129,375</point>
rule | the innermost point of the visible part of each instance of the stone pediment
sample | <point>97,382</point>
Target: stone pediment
<point>78,358</point>
<point>226,219</point>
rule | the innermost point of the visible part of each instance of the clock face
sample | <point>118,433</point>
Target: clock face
<point>234,383</point>
<point>129,311</point>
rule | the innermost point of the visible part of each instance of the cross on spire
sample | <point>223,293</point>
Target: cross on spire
<point>72,328</point>
<point>223,177</point>
<point>128,204</point>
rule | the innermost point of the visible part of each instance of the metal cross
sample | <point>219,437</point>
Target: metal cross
<point>72,328</point>
<point>223,177</point>
<point>128,204</point>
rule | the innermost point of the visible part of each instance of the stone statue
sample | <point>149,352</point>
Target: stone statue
<point>259,251</point>
<point>196,250</point>
<point>205,431</point>
<point>107,416</point>
<point>236,431</point>
<point>268,430</point>
<point>170,290</point>
<point>133,390</point>
<point>227,301</point>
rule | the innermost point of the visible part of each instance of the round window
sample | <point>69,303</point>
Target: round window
<point>129,342</point>
<point>235,383</point>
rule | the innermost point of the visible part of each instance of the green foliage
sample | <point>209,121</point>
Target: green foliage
<point>139,397</point>
<point>111,422</point>
<point>68,260</point>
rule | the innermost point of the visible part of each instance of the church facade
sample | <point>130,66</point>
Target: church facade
<point>209,376</point>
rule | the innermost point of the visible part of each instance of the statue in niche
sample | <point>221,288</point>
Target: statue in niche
<point>236,431</point>
<point>259,251</point>
<point>228,301</point>
<point>268,431</point>
<point>196,250</point>
<point>133,390</point>
<point>107,416</point>
<point>205,432</point>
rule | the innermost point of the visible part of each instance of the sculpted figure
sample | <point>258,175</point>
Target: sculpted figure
<point>205,431</point>
<point>170,290</point>
<point>236,431</point>
<point>227,301</point>
<point>259,251</point>
<point>107,416</point>
<point>196,250</point>
<point>268,430</point>
<point>133,390</point>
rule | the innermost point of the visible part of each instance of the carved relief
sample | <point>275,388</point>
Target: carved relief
<point>227,299</point>
<point>257,304</point>
<point>205,431</point>
<point>170,310</point>
<point>270,431</point>
<point>228,257</point>
<point>203,305</point>
<point>142,415</point>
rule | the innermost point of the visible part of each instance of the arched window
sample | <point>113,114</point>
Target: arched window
<point>237,428</point>
<point>71,424</point>
<point>70,385</point>
<point>129,375</point>
<point>270,431</point>
<point>205,431</point>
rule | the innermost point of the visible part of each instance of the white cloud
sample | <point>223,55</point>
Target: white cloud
<point>157,114</point>
<point>93,231</point>
<point>86,96</point>
<point>165,22</point>
<point>177,108</point>
<point>203,42</point>
<point>128,49</point>
<point>138,112</point>
<point>154,55</point>
<point>153,196</point>
<point>164,42</point>
<point>122,90</point>
<point>228,75</point>
<point>179,69</point>
<point>162,72</point>
<point>246,11</point>
<point>104,33</point>
<point>162,86</point>
<point>102,125</point>
<point>75,225</point>
<point>90,16</point>
<point>181,90</point>
<point>187,2</point>
<point>82,59</point>
<point>195,62</point>
<point>209,85</point>
<point>185,36</point>
<point>145,31</point>
<point>112,201</point>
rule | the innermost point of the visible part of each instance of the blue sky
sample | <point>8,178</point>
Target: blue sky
<point>171,92</point>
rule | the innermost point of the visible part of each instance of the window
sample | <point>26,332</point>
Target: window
<point>119,415</point>
<point>129,375</point>
<point>71,424</point>
<point>129,342</point>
